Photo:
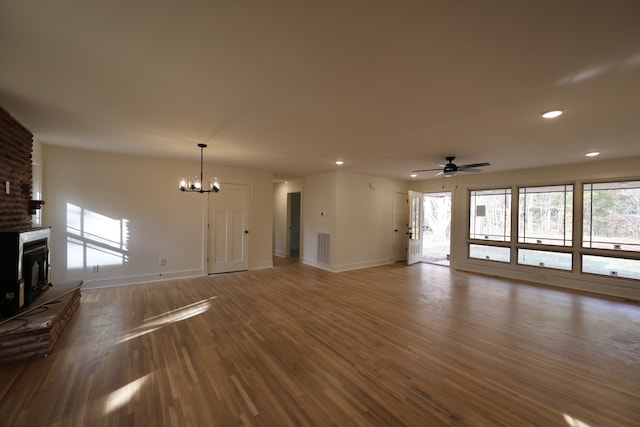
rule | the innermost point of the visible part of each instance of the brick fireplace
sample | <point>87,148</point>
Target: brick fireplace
<point>24,249</point>
<point>32,332</point>
<point>16,146</point>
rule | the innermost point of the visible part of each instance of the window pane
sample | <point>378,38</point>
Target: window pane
<point>490,216</point>
<point>492,253</point>
<point>547,259</point>
<point>416,227</point>
<point>546,215</point>
<point>629,268</point>
<point>611,218</point>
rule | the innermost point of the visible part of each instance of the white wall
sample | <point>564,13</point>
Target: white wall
<point>364,222</point>
<point>141,194</point>
<point>621,169</point>
<point>318,215</point>
<point>36,180</point>
<point>358,213</point>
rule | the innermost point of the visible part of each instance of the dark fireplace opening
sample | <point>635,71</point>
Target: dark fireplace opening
<point>24,268</point>
<point>35,265</point>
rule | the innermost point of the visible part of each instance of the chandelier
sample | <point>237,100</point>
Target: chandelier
<point>194,183</point>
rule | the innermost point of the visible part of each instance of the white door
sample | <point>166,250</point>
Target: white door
<point>415,228</point>
<point>228,248</point>
<point>400,226</point>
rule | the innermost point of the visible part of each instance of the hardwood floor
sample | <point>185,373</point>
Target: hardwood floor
<point>297,346</point>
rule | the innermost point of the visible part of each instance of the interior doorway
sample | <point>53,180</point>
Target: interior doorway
<point>436,228</point>
<point>293,225</point>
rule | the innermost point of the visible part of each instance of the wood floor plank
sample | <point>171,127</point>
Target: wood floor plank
<point>296,346</point>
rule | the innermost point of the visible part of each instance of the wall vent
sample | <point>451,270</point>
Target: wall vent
<point>324,248</point>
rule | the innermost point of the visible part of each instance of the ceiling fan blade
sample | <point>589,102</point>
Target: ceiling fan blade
<point>439,173</point>
<point>474,165</point>
<point>469,170</point>
<point>427,170</point>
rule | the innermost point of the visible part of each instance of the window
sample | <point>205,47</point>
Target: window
<point>490,216</point>
<point>416,227</point>
<point>547,259</point>
<point>610,266</point>
<point>491,253</point>
<point>546,215</point>
<point>611,216</point>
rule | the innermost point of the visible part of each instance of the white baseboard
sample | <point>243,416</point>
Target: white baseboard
<point>261,265</point>
<point>347,267</point>
<point>361,265</point>
<point>616,287</point>
<point>143,278</point>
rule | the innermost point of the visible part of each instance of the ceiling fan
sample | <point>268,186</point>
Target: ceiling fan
<point>451,168</point>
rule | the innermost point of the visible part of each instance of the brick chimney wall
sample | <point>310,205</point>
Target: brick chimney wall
<point>16,145</point>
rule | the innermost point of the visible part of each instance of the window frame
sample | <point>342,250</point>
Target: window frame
<point>576,249</point>
<point>571,220</point>
<point>582,250</point>
<point>506,243</point>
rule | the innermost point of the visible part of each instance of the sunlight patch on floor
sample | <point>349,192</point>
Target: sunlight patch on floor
<point>574,422</point>
<point>124,394</point>
<point>156,322</point>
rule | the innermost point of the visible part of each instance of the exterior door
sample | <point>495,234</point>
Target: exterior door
<point>415,228</point>
<point>227,243</point>
<point>400,226</point>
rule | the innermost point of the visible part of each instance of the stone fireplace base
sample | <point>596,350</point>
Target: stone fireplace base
<point>32,333</point>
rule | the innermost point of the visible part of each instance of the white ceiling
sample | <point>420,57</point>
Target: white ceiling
<point>291,86</point>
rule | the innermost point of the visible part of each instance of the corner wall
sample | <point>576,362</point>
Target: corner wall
<point>357,211</point>
<point>125,213</point>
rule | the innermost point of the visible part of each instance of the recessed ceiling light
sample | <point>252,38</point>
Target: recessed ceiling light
<point>413,175</point>
<point>339,162</point>
<point>593,154</point>
<point>552,114</point>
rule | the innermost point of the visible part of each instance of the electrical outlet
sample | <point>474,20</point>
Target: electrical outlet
<point>162,261</point>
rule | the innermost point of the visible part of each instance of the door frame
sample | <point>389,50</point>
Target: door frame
<point>449,194</point>
<point>287,248</point>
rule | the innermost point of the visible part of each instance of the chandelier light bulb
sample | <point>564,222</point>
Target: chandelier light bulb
<point>194,184</point>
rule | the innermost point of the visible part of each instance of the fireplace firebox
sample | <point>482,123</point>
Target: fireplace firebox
<point>24,268</point>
